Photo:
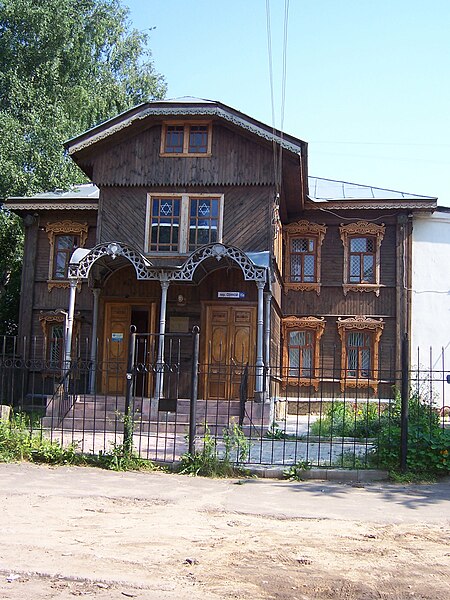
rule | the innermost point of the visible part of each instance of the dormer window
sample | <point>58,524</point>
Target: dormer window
<point>186,139</point>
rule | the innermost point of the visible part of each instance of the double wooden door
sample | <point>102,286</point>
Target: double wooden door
<point>229,346</point>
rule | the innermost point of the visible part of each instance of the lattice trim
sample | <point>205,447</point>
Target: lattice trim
<point>218,251</point>
<point>145,269</point>
<point>113,249</point>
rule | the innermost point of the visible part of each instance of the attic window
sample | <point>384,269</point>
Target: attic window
<point>186,139</point>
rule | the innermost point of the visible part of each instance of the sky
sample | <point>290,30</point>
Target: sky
<point>367,81</point>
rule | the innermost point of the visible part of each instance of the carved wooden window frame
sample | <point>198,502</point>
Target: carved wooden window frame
<point>186,125</point>
<point>47,320</point>
<point>53,231</point>
<point>311,324</point>
<point>303,229</point>
<point>361,229</point>
<point>361,324</point>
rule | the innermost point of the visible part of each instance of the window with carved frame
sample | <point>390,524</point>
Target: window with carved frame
<point>53,325</point>
<point>303,243</point>
<point>362,242</point>
<point>301,350</point>
<point>183,223</point>
<point>360,337</point>
<point>186,139</point>
<point>64,238</point>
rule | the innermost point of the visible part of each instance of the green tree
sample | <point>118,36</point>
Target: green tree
<point>65,65</point>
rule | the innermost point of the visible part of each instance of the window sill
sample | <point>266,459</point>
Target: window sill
<point>60,283</point>
<point>302,287</point>
<point>361,287</point>
<point>185,154</point>
<point>359,383</point>
<point>301,381</point>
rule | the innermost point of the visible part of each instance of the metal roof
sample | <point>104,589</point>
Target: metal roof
<point>325,190</point>
<point>76,192</point>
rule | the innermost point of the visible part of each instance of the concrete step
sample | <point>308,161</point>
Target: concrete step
<point>144,428</point>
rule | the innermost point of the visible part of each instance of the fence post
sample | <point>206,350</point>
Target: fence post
<point>127,419</point>
<point>194,389</point>
<point>405,404</point>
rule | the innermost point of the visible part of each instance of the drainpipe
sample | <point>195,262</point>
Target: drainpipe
<point>93,357</point>
<point>69,328</point>
<point>259,393</point>
<point>268,299</point>
<point>159,383</point>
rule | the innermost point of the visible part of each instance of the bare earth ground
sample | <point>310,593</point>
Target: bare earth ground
<point>71,532</point>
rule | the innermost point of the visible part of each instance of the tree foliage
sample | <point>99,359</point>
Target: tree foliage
<point>65,65</point>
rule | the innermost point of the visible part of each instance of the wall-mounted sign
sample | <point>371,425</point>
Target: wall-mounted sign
<point>117,337</point>
<point>235,295</point>
<point>179,324</point>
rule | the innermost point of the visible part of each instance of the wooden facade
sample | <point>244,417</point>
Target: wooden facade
<point>124,159</point>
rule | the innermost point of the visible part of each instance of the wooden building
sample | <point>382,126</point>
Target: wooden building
<point>201,215</point>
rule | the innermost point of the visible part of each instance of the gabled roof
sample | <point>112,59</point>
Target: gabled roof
<point>354,195</point>
<point>183,107</point>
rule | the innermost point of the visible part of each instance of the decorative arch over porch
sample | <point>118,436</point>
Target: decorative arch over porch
<point>83,260</point>
<point>250,271</point>
<point>80,266</point>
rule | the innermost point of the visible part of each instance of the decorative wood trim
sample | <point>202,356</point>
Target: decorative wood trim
<point>359,323</point>
<point>61,228</point>
<point>50,317</point>
<point>304,228</point>
<point>186,125</point>
<point>57,283</point>
<point>361,228</point>
<point>297,324</point>
<point>209,110</point>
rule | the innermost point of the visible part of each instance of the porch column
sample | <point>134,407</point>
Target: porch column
<point>93,357</point>
<point>69,324</point>
<point>159,380</point>
<point>268,299</point>
<point>259,383</point>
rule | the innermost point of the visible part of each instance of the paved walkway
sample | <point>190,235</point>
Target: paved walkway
<point>380,502</point>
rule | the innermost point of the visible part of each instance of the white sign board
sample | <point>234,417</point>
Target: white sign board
<point>235,295</point>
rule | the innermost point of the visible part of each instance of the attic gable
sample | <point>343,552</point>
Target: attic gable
<point>139,116</point>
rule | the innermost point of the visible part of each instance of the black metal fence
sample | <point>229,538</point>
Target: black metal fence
<point>164,404</point>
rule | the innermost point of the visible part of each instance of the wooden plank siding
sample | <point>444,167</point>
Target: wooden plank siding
<point>332,303</point>
<point>235,160</point>
<point>40,299</point>
<point>246,214</point>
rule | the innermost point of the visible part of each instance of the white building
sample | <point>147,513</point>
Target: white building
<point>430,316</point>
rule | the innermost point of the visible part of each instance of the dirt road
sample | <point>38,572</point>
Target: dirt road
<point>70,532</point>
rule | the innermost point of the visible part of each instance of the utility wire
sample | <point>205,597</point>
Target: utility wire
<point>272,100</point>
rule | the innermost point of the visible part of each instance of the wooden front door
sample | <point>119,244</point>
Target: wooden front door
<point>119,316</point>
<point>230,344</point>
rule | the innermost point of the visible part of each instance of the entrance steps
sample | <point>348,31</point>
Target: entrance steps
<point>106,413</point>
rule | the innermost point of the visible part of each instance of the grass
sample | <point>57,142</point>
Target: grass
<point>20,442</point>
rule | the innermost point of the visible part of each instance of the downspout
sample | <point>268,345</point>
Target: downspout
<point>93,357</point>
<point>159,382</point>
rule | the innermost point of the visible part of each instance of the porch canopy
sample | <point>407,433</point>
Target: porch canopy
<point>97,263</point>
